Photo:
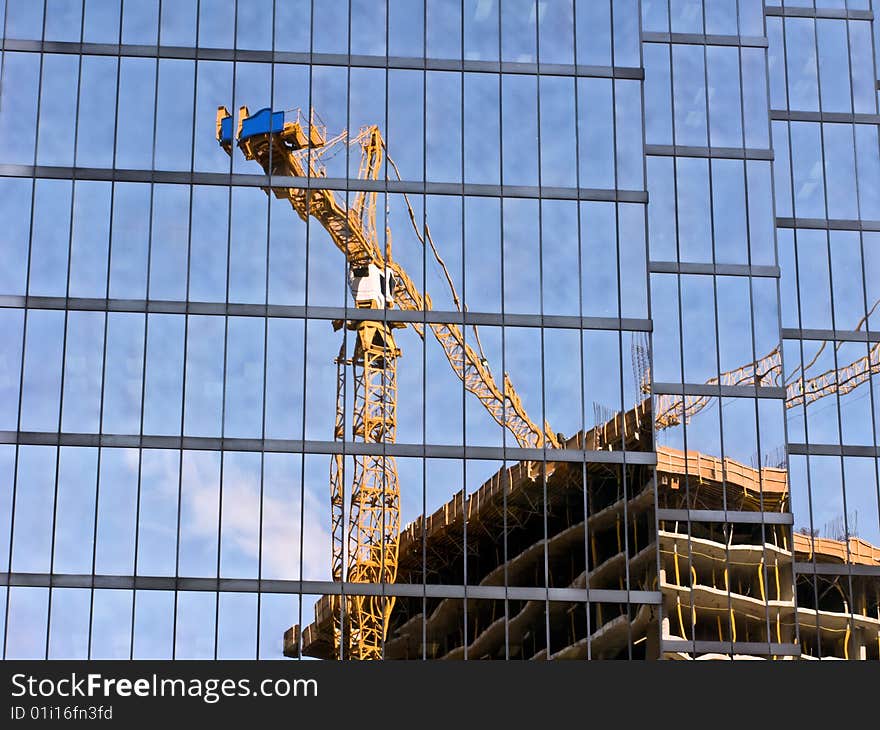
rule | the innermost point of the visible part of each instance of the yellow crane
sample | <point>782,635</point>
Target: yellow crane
<point>293,147</point>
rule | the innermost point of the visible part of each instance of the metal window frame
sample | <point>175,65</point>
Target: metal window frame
<point>313,446</point>
<point>403,63</point>
<point>702,39</point>
<point>383,185</point>
<point>315,312</point>
<point>306,587</point>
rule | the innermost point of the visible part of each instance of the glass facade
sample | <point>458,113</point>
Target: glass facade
<point>569,347</point>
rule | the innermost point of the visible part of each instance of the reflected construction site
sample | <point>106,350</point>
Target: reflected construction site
<point>720,581</point>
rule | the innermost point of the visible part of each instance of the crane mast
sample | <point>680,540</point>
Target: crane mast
<point>371,541</point>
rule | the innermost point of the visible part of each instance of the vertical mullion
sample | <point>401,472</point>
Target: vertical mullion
<point>543,350</point>
<point>105,337</point>
<point>505,480</point>
<point>384,457</point>
<point>800,324</point>
<point>464,493</point>
<point>424,362</point>
<point>225,352</point>
<point>753,327</point>
<point>344,623</point>
<point>710,170</point>
<point>23,336</point>
<point>849,57</point>
<point>753,333</point>
<point>66,317</point>
<point>302,499</point>
<point>830,276</point>
<point>265,357</point>
<point>185,341</point>
<point>620,390</point>
<point>680,309</point>
<point>875,405</point>
<point>649,339</point>
<point>146,325</point>
<point>794,273</point>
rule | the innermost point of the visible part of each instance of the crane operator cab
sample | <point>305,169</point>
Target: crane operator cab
<point>371,287</point>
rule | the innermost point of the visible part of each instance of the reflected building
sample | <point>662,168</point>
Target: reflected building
<point>446,329</point>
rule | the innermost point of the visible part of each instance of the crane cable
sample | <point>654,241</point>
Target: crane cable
<point>324,153</point>
<point>439,259</point>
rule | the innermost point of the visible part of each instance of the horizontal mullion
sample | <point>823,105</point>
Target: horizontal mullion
<point>675,267</point>
<point>725,153</point>
<point>834,13</point>
<point>726,647</point>
<point>707,389</point>
<point>800,449</point>
<point>783,115</point>
<point>339,184</point>
<point>285,311</point>
<point>808,568</point>
<point>722,516</point>
<point>325,587</point>
<point>311,446</point>
<point>702,39</point>
<point>323,59</point>
<point>790,333</point>
<point>832,224</point>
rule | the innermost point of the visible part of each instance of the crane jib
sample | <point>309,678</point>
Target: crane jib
<point>351,230</point>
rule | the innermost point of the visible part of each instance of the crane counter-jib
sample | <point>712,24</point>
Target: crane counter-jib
<point>283,149</point>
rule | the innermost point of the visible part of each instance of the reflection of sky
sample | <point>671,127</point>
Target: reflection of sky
<point>559,257</point>
<point>826,476</point>
<point>146,256</point>
<point>219,28</point>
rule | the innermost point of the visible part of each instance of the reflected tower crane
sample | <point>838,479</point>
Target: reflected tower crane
<point>293,145</point>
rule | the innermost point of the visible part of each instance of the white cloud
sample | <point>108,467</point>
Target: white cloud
<point>241,513</point>
<point>241,518</point>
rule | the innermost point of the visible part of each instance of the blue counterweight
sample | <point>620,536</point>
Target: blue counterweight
<point>264,121</point>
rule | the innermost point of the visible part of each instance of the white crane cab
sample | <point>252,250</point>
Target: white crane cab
<point>371,287</point>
